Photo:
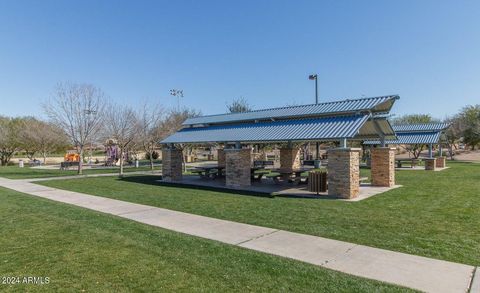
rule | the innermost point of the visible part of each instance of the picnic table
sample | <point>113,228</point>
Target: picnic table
<point>210,172</point>
<point>413,162</point>
<point>286,175</point>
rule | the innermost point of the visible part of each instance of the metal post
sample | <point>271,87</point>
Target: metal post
<point>317,144</point>
<point>440,150</point>
<point>343,143</point>
<point>430,151</point>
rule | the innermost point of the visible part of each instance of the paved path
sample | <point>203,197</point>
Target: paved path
<point>66,177</point>
<point>412,271</point>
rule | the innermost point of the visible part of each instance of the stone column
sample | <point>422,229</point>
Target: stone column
<point>441,162</point>
<point>220,158</point>
<point>430,164</point>
<point>171,164</point>
<point>383,166</point>
<point>289,159</point>
<point>343,172</point>
<point>237,167</point>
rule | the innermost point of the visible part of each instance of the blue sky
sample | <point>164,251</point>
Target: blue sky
<point>425,51</point>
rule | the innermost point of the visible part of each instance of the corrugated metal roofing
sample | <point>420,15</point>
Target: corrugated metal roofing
<point>411,138</point>
<point>379,105</point>
<point>326,128</point>
<point>370,131</point>
<point>424,127</point>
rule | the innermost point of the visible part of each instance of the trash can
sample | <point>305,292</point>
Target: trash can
<point>317,181</point>
<point>136,163</point>
<point>20,163</point>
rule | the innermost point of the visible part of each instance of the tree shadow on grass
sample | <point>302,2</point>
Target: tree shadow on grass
<point>155,180</point>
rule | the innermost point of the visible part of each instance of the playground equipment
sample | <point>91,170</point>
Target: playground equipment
<point>111,154</point>
<point>71,156</point>
<point>70,159</point>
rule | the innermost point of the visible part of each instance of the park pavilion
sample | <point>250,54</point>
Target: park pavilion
<point>339,121</point>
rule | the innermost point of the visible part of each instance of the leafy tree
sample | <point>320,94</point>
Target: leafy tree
<point>453,133</point>
<point>40,137</point>
<point>239,105</point>
<point>414,119</point>
<point>470,123</point>
<point>9,138</point>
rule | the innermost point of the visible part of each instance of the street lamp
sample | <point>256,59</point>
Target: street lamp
<point>317,145</point>
<point>315,77</point>
<point>178,94</point>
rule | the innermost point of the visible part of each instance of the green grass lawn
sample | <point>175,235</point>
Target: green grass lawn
<point>434,214</point>
<point>82,250</point>
<point>14,172</point>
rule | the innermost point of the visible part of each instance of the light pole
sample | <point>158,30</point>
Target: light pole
<point>317,145</point>
<point>178,94</point>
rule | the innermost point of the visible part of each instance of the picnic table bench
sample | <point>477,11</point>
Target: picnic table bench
<point>413,162</point>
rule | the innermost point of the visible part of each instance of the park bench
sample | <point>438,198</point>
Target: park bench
<point>413,162</point>
<point>34,163</point>
<point>66,165</point>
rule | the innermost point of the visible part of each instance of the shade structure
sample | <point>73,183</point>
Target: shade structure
<point>410,138</point>
<point>328,128</point>
<point>358,119</point>
<point>425,133</point>
<point>376,105</point>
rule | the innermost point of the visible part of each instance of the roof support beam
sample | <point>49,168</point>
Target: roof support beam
<point>380,133</point>
<point>343,143</point>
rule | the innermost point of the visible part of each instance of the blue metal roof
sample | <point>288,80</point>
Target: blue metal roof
<point>423,127</point>
<point>326,128</point>
<point>376,105</point>
<point>411,138</point>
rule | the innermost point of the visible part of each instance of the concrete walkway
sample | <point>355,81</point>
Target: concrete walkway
<point>412,271</point>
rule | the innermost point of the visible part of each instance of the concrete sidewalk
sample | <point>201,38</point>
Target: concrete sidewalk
<point>411,271</point>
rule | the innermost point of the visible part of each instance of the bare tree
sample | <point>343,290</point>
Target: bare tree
<point>40,137</point>
<point>120,126</point>
<point>149,119</point>
<point>78,109</point>
<point>173,122</point>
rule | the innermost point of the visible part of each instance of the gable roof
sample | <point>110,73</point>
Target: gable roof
<point>410,138</point>
<point>374,105</point>
<point>421,127</point>
<point>419,133</point>
<point>309,129</point>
